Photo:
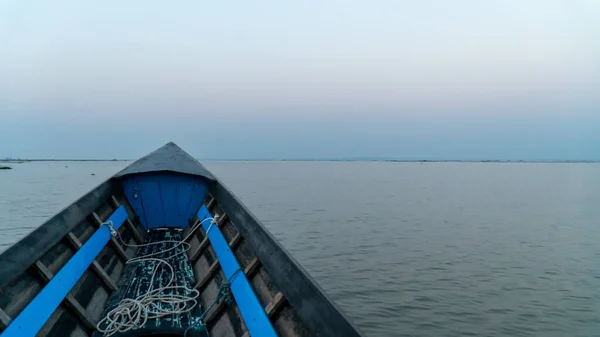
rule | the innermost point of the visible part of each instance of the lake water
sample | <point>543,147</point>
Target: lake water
<point>406,249</point>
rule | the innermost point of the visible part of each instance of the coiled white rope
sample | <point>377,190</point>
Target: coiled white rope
<point>154,303</point>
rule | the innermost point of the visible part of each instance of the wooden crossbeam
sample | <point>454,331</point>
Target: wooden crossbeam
<point>235,241</point>
<point>259,324</point>
<point>252,267</point>
<point>205,242</point>
<point>81,313</point>
<point>215,312</point>
<point>113,242</point>
<point>70,301</point>
<point>96,267</point>
<point>200,250</point>
<point>209,275</point>
<point>222,219</point>
<point>249,271</point>
<point>216,266</point>
<point>4,318</point>
<point>187,231</point>
<point>211,203</point>
<point>136,235</point>
<point>276,303</point>
<point>57,290</point>
<point>272,307</point>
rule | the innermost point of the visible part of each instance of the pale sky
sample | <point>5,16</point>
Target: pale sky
<point>461,79</point>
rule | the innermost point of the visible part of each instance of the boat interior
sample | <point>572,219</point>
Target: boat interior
<point>160,249</point>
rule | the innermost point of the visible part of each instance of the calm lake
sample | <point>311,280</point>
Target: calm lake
<point>405,249</point>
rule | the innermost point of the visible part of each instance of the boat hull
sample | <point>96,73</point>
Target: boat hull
<point>269,292</point>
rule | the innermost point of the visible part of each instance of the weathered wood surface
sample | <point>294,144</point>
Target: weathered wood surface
<point>78,312</point>
<point>130,226</point>
<point>95,265</point>
<point>310,304</point>
<point>225,320</point>
<point>292,300</point>
<point>71,302</point>
<point>16,259</point>
<point>113,241</point>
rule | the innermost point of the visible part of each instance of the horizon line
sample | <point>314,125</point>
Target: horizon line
<point>575,161</point>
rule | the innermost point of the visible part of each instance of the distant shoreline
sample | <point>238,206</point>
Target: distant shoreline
<point>18,161</point>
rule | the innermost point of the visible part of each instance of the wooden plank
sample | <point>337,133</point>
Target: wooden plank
<point>214,313</point>
<point>249,271</point>
<point>211,203</point>
<point>209,275</point>
<point>252,267</point>
<point>96,267</point>
<point>276,303</point>
<point>320,315</point>
<point>205,242</point>
<point>220,222</point>
<point>200,250</point>
<point>4,318</point>
<point>45,274</point>
<point>88,321</point>
<point>69,300</point>
<point>248,304</point>
<point>136,235</point>
<point>187,231</point>
<point>113,241</point>
<point>235,241</point>
<point>272,308</point>
<point>222,219</point>
<point>20,256</point>
<point>130,226</point>
<point>38,311</point>
<point>215,266</point>
<point>73,240</point>
<point>116,202</point>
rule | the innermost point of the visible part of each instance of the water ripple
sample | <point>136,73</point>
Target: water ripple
<point>405,249</point>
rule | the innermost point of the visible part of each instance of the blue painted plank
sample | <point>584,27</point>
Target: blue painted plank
<point>170,199</point>
<point>252,312</point>
<point>33,317</point>
<point>165,199</point>
<point>152,203</point>
<point>133,195</point>
<point>186,191</point>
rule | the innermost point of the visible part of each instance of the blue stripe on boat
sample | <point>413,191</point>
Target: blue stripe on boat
<point>252,311</point>
<point>39,310</point>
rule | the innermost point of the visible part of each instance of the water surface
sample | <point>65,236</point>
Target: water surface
<point>405,249</point>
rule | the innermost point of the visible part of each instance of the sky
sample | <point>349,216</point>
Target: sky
<point>385,79</point>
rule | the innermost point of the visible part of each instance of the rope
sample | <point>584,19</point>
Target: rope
<point>109,224</point>
<point>223,293</point>
<point>156,302</point>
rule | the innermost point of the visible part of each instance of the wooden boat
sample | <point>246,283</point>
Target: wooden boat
<point>162,248</point>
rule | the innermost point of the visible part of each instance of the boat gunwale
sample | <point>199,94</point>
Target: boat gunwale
<point>319,313</point>
<point>313,307</point>
<point>21,255</point>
